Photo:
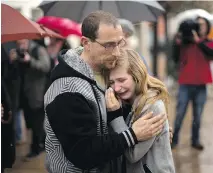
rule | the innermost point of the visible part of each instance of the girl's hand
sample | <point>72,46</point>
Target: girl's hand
<point>112,103</point>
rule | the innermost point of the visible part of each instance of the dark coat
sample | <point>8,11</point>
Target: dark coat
<point>35,76</point>
<point>7,130</point>
<point>11,73</point>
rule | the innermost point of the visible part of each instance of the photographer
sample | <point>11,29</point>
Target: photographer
<point>193,51</point>
<point>34,64</point>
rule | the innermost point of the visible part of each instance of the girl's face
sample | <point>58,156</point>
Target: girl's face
<point>122,83</point>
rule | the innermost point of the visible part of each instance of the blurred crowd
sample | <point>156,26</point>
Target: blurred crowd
<point>26,71</point>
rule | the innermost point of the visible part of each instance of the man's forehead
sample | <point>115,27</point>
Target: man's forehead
<point>110,33</point>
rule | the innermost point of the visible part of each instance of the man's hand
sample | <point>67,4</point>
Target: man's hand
<point>26,57</point>
<point>170,134</point>
<point>2,111</point>
<point>13,55</point>
<point>178,38</point>
<point>112,103</point>
<point>195,36</point>
<point>9,118</point>
<point>148,126</point>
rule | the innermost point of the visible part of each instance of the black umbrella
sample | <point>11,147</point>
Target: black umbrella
<point>134,11</point>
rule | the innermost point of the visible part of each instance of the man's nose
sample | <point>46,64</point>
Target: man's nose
<point>116,51</point>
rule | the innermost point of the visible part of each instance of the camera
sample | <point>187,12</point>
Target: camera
<point>20,53</point>
<point>186,28</point>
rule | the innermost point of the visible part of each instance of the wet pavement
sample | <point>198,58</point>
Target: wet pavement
<point>187,160</point>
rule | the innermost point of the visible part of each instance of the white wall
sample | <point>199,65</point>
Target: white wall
<point>26,6</point>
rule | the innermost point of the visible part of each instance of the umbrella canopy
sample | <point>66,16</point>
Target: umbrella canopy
<point>133,10</point>
<point>46,32</point>
<point>192,14</point>
<point>63,26</point>
<point>15,26</point>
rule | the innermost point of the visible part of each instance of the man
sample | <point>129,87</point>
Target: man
<point>128,33</point>
<point>35,64</point>
<point>194,59</point>
<point>77,138</point>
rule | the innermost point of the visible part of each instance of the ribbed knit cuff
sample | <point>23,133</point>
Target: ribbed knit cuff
<point>130,137</point>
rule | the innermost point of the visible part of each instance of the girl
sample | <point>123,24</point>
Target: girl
<point>132,84</point>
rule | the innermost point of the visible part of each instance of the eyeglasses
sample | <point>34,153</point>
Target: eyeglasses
<point>111,45</point>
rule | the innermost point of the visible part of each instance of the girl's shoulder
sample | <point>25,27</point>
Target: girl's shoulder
<point>157,107</point>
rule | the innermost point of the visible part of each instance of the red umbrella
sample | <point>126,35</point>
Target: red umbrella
<point>46,32</point>
<point>63,26</point>
<point>15,26</point>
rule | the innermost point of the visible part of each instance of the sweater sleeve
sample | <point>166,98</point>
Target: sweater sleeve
<point>207,48</point>
<point>135,153</point>
<point>138,151</point>
<point>74,123</point>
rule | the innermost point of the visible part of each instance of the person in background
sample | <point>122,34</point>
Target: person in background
<point>7,130</point>
<point>35,63</point>
<point>194,74</point>
<point>54,46</point>
<point>129,31</point>
<point>11,73</point>
<point>7,116</point>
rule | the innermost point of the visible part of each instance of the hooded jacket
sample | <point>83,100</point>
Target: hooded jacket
<point>77,137</point>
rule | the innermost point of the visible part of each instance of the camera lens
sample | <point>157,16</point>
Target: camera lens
<point>186,28</point>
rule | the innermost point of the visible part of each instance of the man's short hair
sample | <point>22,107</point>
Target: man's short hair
<point>91,23</point>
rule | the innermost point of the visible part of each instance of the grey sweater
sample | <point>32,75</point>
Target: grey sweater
<point>155,152</point>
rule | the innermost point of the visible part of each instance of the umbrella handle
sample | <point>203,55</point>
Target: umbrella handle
<point>42,27</point>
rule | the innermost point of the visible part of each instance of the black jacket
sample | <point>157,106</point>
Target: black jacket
<point>7,131</point>
<point>76,121</point>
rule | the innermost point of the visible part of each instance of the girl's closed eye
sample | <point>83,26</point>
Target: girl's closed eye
<point>122,80</point>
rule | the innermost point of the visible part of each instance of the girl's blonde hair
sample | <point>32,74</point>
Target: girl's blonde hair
<point>144,82</point>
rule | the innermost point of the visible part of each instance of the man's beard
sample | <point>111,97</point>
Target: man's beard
<point>108,65</point>
<point>104,63</point>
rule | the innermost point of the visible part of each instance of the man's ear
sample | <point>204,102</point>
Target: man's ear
<point>85,43</point>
